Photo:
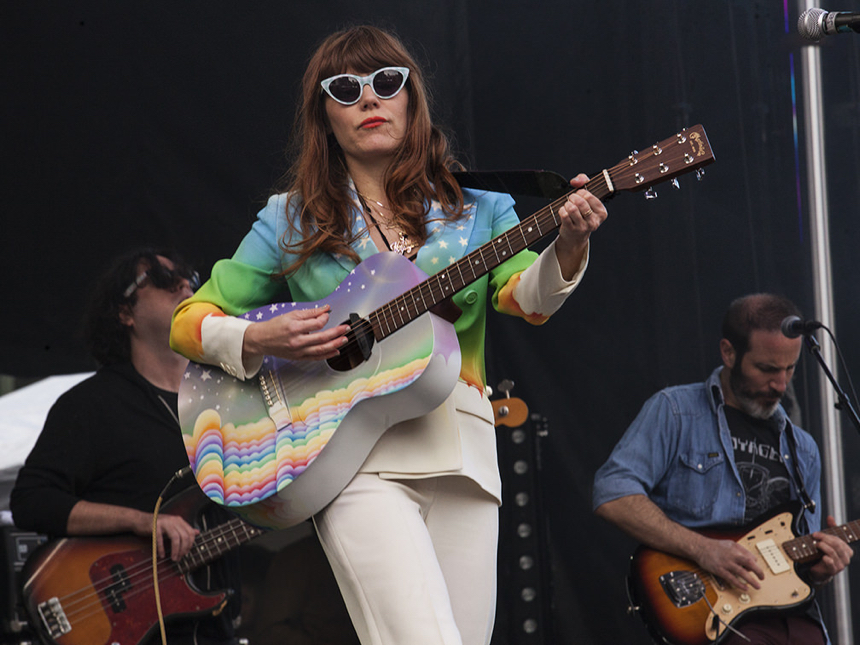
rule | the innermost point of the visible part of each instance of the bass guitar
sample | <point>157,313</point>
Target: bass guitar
<point>278,448</point>
<point>100,591</point>
<point>683,605</point>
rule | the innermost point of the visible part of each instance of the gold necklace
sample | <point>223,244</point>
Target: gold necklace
<point>403,245</point>
<point>380,204</point>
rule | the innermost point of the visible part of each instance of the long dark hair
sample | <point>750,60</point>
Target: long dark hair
<point>419,172</point>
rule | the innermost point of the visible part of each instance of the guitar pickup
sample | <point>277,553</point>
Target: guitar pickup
<point>683,587</point>
<point>773,556</point>
<point>54,618</point>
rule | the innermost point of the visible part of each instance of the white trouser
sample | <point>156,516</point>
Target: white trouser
<point>415,559</point>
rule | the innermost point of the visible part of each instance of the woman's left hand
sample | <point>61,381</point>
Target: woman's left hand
<point>581,214</point>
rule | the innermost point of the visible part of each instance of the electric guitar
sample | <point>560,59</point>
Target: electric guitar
<point>684,605</point>
<point>100,590</point>
<point>278,448</point>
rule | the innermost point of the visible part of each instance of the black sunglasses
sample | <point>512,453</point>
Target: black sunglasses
<point>163,278</point>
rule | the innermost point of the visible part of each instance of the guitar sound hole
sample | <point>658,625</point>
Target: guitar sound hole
<point>358,347</point>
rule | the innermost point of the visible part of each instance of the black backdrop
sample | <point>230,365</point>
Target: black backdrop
<point>164,123</point>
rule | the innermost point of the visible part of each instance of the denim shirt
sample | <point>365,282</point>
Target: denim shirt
<point>678,452</point>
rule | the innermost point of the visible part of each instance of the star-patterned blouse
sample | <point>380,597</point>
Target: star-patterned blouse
<point>244,282</point>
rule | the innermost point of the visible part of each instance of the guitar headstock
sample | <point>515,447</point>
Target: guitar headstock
<point>685,152</point>
<point>510,412</point>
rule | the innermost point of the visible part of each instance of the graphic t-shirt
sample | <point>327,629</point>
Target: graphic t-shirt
<point>762,470</point>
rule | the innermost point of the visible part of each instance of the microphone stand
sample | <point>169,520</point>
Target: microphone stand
<point>843,403</point>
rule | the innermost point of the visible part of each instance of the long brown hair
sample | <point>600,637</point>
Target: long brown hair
<point>419,172</point>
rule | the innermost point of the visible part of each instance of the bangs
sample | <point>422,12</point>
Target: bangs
<point>363,51</point>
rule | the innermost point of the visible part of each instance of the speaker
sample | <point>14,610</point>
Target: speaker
<point>15,547</point>
<point>524,601</point>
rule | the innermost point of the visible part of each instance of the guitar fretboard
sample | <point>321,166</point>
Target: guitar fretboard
<point>803,549</point>
<point>211,545</point>
<point>423,297</point>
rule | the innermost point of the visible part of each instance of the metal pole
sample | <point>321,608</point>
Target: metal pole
<point>831,427</point>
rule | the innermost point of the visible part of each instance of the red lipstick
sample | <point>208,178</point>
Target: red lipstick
<point>372,122</point>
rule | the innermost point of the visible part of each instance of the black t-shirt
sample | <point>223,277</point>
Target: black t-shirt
<point>115,439</point>
<point>766,480</point>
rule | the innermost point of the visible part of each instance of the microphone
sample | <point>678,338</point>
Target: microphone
<point>792,326</point>
<point>815,23</point>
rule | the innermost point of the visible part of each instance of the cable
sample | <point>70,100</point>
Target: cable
<point>179,474</point>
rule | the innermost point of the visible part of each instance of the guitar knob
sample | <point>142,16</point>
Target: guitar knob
<point>700,173</point>
<point>651,193</point>
<point>676,184</point>
<point>744,597</point>
<point>727,608</point>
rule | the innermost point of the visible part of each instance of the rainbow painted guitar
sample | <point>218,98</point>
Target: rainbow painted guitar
<point>278,448</point>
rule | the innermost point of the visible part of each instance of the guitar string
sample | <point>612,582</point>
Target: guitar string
<point>71,604</point>
<point>387,314</point>
<point>135,570</point>
<point>80,613</point>
<point>385,317</point>
<point>597,182</point>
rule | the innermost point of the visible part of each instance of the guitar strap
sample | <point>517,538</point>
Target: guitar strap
<point>529,183</point>
<point>807,502</point>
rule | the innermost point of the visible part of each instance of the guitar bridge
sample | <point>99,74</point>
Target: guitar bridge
<point>278,409</point>
<point>683,587</point>
<point>54,618</point>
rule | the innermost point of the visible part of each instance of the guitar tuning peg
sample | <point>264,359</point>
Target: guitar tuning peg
<point>700,172</point>
<point>676,184</point>
<point>506,386</point>
<point>651,193</point>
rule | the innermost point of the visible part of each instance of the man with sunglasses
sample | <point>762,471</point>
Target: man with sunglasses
<point>112,443</point>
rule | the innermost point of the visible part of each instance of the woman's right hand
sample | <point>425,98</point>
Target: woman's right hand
<point>297,335</point>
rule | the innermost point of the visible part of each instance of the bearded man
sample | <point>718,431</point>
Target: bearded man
<point>721,454</point>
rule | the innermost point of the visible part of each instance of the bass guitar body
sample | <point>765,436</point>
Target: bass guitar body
<point>278,448</point>
<point>101,590</point>
<point>87,592</point>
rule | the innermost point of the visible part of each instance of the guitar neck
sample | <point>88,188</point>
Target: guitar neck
<point>211,545</point>
<point>687,151</point>
<point>803,549</point>
<point>423,297</point>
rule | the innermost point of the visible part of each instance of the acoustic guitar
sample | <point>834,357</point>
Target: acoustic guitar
<point>278,448</point>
